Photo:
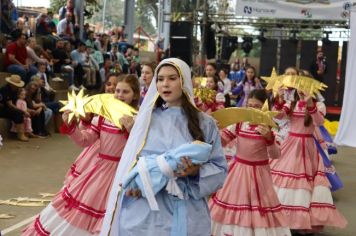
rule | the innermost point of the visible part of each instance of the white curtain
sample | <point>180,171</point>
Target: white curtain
<point>346,134</point>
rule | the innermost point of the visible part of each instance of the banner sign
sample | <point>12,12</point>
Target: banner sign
<point>296,9</point>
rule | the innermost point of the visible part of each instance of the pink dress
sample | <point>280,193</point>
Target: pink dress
<point>86,159</point>
<point>79,208</point>
<point>22,105</point>
<point>247,204</point>
<point>299,175</point>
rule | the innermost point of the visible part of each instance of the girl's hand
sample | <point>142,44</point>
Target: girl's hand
<point>309,101</point>
<point>133,193</point>
<point>281,92</point>
<point>127,122</point>
<point>265,131</point>
<point>88,116</point>
<point>65,116</point>
<point>187,168</point>
<point>27,114</point>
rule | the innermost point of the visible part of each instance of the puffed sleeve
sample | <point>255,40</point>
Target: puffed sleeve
<point>318,118</point>
<point>86,137</point>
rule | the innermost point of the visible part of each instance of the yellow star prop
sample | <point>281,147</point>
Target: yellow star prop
<point>305,84</point>
<point>234,115</point>
<point>201,81</point>
<point>109,107</point>
<point>274,82</point>
<point>75,104</point>
<point>205,94</point>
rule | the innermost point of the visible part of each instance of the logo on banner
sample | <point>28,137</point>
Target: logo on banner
<point>250,10</point>
<point>247,10</point>
<point>347,6</point>
<point>306,13</point>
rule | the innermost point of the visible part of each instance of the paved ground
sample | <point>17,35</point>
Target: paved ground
<point>27,169</point>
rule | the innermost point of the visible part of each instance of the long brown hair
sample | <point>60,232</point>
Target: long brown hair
<point>151,65</point>
<point>132,80</point>
<point>307,117</point>
<point>189,110</point>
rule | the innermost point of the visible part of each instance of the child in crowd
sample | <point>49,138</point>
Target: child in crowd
<point>243,89</point>
<point>214,103</point>
<point>22,105</point>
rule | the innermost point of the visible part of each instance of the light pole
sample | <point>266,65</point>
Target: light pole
<point>104,9</point>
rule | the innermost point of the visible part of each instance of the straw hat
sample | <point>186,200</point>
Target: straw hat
<point>15,80</point>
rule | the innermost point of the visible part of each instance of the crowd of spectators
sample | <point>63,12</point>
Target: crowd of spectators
<point>53,51</point>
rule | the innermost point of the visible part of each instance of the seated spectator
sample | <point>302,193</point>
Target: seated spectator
<point>115,55</point>
<point>86,31</point>
<point>32,57</point>
<point>68,8</point>
<point>16,59</point>
<point>8,109</point>
<point>21,28</point>
<point>63,63</point>
<point>36,109</point>
<point>122,44</point>
<point>47,97</point>
<point>22,105</point>
<point>90,42</point>
<point>93,67</point>
<point>105,70</point>
<point>42,27</point>
<point>102,43</point>
<point>65,28</point>
<point>6,23</point>
<point>116,68</point>
<point>135,67</point>
<point>80,60</point>
<point>43,76</point>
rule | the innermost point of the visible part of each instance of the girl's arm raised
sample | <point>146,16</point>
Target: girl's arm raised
<point>82,137</point>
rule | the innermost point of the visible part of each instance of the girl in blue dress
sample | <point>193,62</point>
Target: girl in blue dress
<point>167,119</point>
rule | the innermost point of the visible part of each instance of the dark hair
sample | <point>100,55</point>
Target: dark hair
<point>152,65</point>
<point>245,79</point>
<point>259,94</point>
<point>189,110</point>
<point>132,80</point>
<point>19,90</point>
<point>307,117</point>
<point>305,73</point>
<point>211,64</point>
<point>293,68</point>
<point>216,81</point>
<point>225,71</point>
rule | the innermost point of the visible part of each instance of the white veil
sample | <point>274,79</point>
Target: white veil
<point>137,140</point>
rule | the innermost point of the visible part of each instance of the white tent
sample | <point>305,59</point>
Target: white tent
<point>346,134</point>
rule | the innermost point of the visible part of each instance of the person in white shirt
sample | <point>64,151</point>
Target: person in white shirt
<point>227,83</point>
<point>65,28</point>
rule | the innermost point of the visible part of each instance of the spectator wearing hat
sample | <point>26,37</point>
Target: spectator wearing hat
<point>16,59</point>
<point>8,109</point>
